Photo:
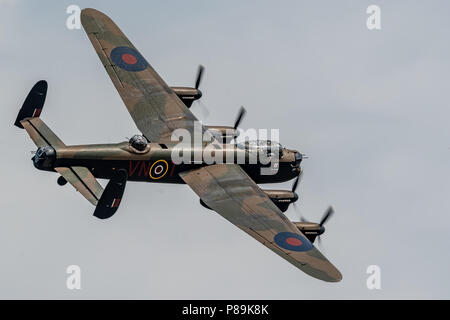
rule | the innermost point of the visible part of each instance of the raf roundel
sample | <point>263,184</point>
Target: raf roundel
<point>292,241</point>
<point>128,59</point>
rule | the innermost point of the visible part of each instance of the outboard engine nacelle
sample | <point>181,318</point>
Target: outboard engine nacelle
<point>282,198</point>
<point>45,158</point>
<point>223,134</point>
<point>310,229</point>
<point>187,95</point>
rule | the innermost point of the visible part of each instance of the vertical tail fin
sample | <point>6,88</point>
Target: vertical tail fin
<point>33,103</point>
<point>79,177</point>
<point>28,117</point>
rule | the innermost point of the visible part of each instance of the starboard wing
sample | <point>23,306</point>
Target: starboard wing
<point>229,191</point>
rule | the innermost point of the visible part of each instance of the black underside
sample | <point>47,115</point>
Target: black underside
<point>112,195</point>
<point>33,103</point>
<point>139,170</point>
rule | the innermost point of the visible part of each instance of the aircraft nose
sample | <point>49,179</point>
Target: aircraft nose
<point>296,163</point>
<point>298,158</point>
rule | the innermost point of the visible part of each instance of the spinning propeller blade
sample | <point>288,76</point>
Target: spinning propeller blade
<point>199,77</point>
<point>293,189</point>
<point>296,181</point>
<point>326,215</point>
<point>198,81</point>
<point>239,118</point>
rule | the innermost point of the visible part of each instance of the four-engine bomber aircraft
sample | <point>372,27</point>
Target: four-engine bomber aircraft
<point>230,189</point>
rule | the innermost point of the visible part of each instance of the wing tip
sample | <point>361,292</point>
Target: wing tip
<point>332,275</point>
<point>90,17</point>
<point>90,11</point>
<point>338,278</point>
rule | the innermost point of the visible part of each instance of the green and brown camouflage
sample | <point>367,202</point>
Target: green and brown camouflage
<point>247,206</point>
<point>83,181</point>
<point>227,185</point>
<point>103,159</point>
<point>153,105</point>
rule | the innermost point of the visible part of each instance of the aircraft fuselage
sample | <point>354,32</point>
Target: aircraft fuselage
<point>155,163</point>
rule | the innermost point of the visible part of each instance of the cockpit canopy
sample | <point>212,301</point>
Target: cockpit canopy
<point>268,147</point>
<point>138,142</point>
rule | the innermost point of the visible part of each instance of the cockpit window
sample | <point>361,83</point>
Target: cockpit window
<point>267,146</point>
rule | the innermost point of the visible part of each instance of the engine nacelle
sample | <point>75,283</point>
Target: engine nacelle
<point>282,198</point>
<point>187,95</point>
<point>223,133</point>
<point>310,229</point>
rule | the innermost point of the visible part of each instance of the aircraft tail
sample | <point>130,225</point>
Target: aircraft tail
<point>28,117</point>
<point>33,103</point>
<point>106,200</point>
<point>40,133</point>
<point>48,144</point>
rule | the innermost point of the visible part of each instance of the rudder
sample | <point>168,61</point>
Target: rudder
<point>33,103</point>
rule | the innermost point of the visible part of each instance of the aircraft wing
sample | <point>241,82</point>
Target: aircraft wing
<point>154,107</point>
<point>228,190</point>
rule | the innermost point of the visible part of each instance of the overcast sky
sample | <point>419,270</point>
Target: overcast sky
<point>369,108</point>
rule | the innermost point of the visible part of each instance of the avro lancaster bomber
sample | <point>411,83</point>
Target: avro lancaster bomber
<point>230,189</point>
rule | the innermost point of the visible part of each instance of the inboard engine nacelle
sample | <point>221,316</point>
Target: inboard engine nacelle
<point>281,198</point>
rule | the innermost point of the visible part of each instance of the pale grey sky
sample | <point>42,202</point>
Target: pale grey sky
<point>369,108</point>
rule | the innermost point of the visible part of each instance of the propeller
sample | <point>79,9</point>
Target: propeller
<point>198,81</point>
<point>296,181</point>
<point>239,117</point>
<point>325,217</point>
<point>293,189</point>
<point>204,108</point>
<point>238,121</point>
<point>205,111</point>
<point>199,77</point>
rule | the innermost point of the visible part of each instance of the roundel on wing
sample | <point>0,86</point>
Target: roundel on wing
<point>128,59</point>
<point>292,241</point>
